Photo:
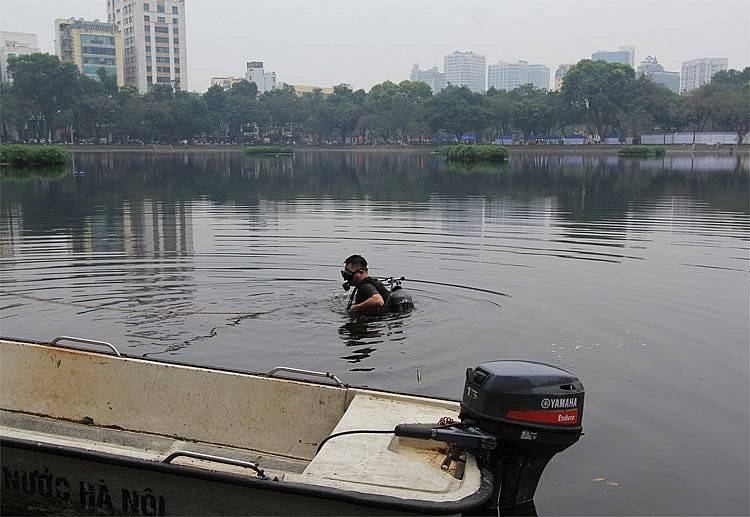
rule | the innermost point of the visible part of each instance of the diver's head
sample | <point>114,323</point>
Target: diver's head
<point>355,270</point>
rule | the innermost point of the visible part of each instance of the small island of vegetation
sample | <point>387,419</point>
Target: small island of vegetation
<point>641,150</point>
<point>474,153</point>
<point>27,155</point>
<point>267,150</point>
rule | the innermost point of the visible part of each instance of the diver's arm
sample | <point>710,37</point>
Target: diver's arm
<point>374,302</point>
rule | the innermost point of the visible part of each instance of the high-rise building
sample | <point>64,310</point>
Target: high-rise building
<point>13,44</point>
<point>265,81</point>
<point>91,45</point>
<point>560,74</point>
<point>154,41</point>
<point>466,69</point>
<point>697,72</point>
<point>509,76</point>
<point>625,55</point>
<point>433,77</point>
<point>539,76</point>
<point>651,68</point>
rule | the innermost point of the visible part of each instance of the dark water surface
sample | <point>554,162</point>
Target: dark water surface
<point>631,274</point>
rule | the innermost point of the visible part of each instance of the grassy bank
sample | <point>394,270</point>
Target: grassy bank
<point>267,150</point>
<point>28,155</point>
<point>44,172</point>
<point>474,153</point>
<point>641,150</point>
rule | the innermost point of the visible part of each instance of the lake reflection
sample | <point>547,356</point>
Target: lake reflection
<point>630,273</point>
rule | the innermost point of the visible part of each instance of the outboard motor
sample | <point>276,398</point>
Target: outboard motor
<point>533,409</point>
<point>515,415</point>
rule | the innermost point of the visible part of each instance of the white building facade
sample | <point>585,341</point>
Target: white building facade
<point>265,81</point>
<point>509,76</point>
<point>154,41</point>
<point>433,77</point>
<point>651,68</point>
<point>625,55</point>
<point>697,72</point>
<point>466,69</point>
<point>13,44</point>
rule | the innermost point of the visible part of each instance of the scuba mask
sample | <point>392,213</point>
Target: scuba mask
<point>348,277</point>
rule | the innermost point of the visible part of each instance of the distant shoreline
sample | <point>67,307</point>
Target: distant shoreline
<point>602,149</point>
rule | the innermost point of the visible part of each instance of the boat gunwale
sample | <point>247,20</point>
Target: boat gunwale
<point>122,355</point>
<point>471,502</point>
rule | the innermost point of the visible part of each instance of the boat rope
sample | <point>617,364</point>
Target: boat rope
<point>169,312</point>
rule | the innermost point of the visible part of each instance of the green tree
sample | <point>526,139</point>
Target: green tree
<point>457,111</point>
<point>599,91</point>
<point>46,84</point>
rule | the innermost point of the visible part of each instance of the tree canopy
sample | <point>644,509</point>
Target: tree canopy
<point>51,99</point>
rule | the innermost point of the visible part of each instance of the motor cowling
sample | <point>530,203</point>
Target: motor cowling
<point>535,410</point>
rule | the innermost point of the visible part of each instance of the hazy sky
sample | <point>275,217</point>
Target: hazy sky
<point>363,42</point>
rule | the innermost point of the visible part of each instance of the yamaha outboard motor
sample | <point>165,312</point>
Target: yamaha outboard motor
<point>533,409</point>
<point>515,415</point>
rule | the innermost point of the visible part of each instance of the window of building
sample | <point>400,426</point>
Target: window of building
<point>95,39</point>
<point>147,28</point>
<point>164,50</point>
<point>162,79</point>
<point>148,38</point>
<point>149,68</point>
<point>99,50</point>
<point>148,79</point>
<point>177,61</point>
<point>160,8</point>
<point>176,41</point>
<point>164,30</point>
<point>160,39</point>
<point>160,59</point>
<point>174,9</point>
<point>162,69</point>
<point>177,50</point>
<point>161,19</point>
<point>146,7</point>
<point>175,30</point>
<point>146,18</point>
<point>175,21</point>
<point>177,70</point>
<point>148,48</point>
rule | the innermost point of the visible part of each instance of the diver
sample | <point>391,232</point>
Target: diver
<point>370,295</point>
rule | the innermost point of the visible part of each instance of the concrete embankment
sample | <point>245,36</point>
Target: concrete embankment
<point>514,149</point>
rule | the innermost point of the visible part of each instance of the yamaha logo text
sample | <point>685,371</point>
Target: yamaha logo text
<point>565,403</point>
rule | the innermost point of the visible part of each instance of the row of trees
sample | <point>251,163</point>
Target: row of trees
<point>51,99</point>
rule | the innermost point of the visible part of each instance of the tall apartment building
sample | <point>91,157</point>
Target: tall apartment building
<point>560,74</point>
<point>625,55</point>
<point>539,76</point>
<point>154,41</point>
<point>432,76</point>
<point>14,44</point>
<point>91,45</point>
<point>509,76</point>
<point>651,68</point>
<point>255,73</point>
<point>466,69</point>
<point>697,72</point>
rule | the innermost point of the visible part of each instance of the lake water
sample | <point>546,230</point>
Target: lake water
<point>632,274</point>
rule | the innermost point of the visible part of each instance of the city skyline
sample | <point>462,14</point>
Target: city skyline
<point>372,54</point>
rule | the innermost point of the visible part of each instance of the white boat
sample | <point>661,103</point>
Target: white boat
<point>87,432</point>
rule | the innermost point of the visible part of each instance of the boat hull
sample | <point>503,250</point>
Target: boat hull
<point>39,479</point>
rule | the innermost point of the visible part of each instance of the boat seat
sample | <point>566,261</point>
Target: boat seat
<point>383,460</point>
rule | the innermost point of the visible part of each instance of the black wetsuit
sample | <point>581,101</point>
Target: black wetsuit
<point>367,289</point>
